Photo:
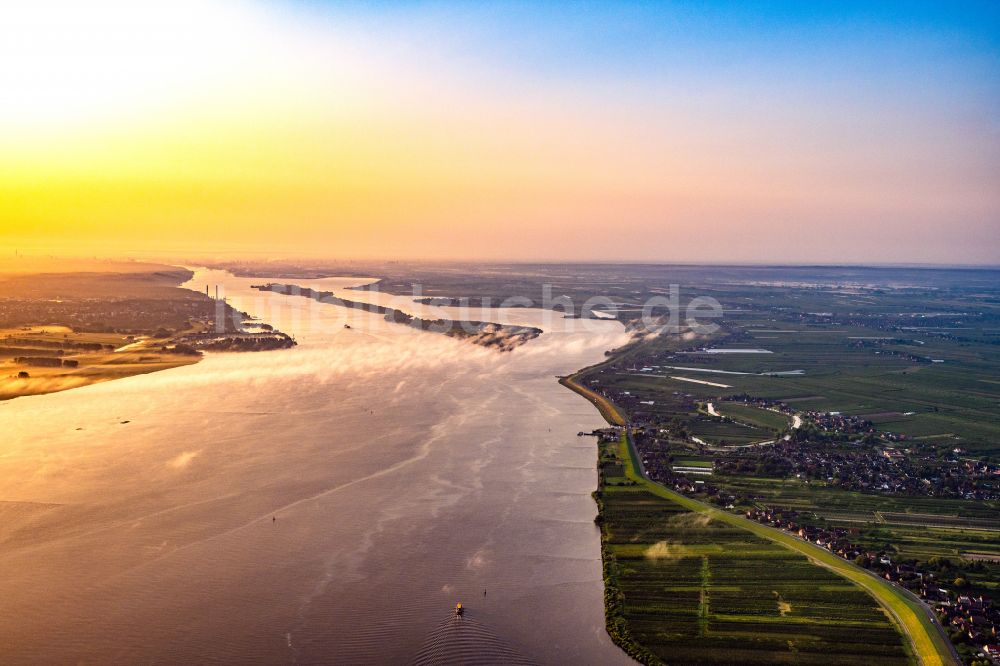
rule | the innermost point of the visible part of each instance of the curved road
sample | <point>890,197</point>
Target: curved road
<point>928,641</point>
<point>937,647</point>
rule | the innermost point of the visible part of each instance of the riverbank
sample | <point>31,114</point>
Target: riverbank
<point>107,320</point>
<point>501,337</point>
<point>926,643</point>
<point>604,406</point>
<point>49,359</point>
<point>406,473</point>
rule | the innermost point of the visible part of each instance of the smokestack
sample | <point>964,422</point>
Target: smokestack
<point>220,313</point>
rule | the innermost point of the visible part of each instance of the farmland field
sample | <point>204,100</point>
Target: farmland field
<point>690,589</point>
<point>726,432</point>
<point>896,385</point>
<point>753,416</point>
<point>868,412</point>
<point>696,591</point>
<point>916,528</point>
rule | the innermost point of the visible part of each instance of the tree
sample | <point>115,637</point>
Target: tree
<point>940,563</point>
<point>960,582</point>
<point>23,375</point>
<point>187,350</point>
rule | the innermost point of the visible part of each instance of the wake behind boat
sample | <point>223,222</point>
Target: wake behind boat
<point>465,643</point>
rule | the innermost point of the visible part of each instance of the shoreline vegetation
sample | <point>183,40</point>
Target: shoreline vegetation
<point>501,337</point>
<point>66,325</point>
<point>36,360</point>
<point>925,644</point>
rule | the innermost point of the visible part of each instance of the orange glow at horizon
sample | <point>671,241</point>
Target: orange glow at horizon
<point>269,135</point>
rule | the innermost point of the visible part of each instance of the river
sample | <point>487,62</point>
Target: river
<point>325,504</point>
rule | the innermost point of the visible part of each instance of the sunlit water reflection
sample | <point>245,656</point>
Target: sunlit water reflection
<point>328,503</point>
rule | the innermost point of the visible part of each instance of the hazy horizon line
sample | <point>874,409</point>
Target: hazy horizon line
<point>316,261</point>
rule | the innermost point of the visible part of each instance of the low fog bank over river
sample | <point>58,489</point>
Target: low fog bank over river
<point>406,471</point>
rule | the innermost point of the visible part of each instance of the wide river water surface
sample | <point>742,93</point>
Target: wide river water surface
<point>325,504</point>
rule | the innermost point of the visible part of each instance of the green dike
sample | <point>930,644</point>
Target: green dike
<point>604,406</point>
<point>614,605</point>
<point>925,641</point>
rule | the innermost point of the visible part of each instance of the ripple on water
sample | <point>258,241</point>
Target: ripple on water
<point>464,640</point>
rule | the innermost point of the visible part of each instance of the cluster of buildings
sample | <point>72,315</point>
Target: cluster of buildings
<point>845,461</point>
<point>882,470</point>
<point>836,449</point>
<point>661,467</point>
<point>846,451</point>
<point>106,315</point>
<point>974,620</point>
<point>880,348</point>
<point>892,323</point>
<point>840,426</point>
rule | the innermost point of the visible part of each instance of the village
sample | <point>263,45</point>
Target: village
<point>106,314</point>
<point>829,450</point>
<point>972,620</point>
<point>863,468</point>
<point>843,450</point>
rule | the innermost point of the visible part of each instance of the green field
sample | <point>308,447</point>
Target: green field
<point>759,418</point>
<point>716,431</point>
<point>917,528</point>
<point>697,591</point>
<point>954,402</point>
<point>926,644</point>
<point>691,462</point>
<point>642,528</point>
<point>914,365</point>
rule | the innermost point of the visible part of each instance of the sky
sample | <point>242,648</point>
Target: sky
<point>771,132</point>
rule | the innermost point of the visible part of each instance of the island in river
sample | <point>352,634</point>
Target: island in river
<point>502,337</point>
<point>406,472</point>
<point>392,504</point>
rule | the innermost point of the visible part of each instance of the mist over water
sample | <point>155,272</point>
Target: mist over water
<point>325,504</point>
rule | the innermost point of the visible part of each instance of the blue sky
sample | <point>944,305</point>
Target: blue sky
<point>805,131</point>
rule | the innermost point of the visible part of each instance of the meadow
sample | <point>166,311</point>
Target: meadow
<point>911,528</point>
<point>81,359</point>
<point>694,590</point>
<point>899,386</point>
